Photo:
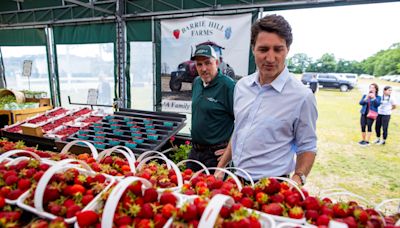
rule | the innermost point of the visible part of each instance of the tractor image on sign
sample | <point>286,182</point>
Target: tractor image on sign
<point>187,70</point>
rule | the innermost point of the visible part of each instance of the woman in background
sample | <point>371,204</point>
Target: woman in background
<point>369,102</point>
<point>384,111</point>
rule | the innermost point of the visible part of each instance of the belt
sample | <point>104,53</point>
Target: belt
<point>209,147</point>
<point>246,182</point>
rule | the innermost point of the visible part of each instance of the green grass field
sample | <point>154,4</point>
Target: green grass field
<point>372,172</point>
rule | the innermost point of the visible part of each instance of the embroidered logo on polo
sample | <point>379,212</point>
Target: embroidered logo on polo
<point>212,99</point>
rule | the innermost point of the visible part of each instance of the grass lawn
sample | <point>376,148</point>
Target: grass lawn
<point>372,172</point>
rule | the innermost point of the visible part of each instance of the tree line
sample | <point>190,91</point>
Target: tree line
<point>385,62</point>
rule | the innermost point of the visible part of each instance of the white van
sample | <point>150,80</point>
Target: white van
<point>353,78</point>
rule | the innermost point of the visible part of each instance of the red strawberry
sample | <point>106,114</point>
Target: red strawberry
<point>293,199</point>
<point>277,198</point>
<point>38,175</point>
<point>340,210</point>
<point>311,215</point>
<point>39,224</point>
<point>168,198</point>
<point>311,203</point>
<point>14,194</point>
<point>146,211</point>
<point>44,166</point>
<point>296,212</point>
<point>350,221</point>
<point>216,184</point>
<point>12,179</point>
<point>361,215</point>
<point>136,188</point>
<point>261,198</point>
<point>4,191</point>
<point>100,178</point>
<point>235,207</point>
<point>80,179</point>
<point>273,209</point>
<point>55,209</point>
<point>22,164</point>
<point>327,211</point>
<point>2,202</point>
<point>168,210</point>
<point>272,187</point>
<point>86,199</point>
<point>10,215</point>
<point>150,195</point>
<point>247,202</point>
<point>224,212</point>
<point>24,184</point>
<point>189,212</point>
<point>123,220</point>
<point>107,160</point>
<point>247,191</point>
<point>87,218</point>
<point>69,203</point>
<point>71,211</point>
<point>145,223</point>
<point>323,220</point>
<point>58,223</point>
<point>159,221</point>
<point>77,188</point>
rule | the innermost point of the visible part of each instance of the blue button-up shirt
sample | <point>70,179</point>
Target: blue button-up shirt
<point>273,122</point>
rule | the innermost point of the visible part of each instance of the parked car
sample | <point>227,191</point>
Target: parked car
<point>366,76</point>
<point>353,78</point>
<point>330,80</point>
<point>306,77</point>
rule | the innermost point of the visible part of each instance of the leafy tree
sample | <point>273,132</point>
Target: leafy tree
<point>299,63</point>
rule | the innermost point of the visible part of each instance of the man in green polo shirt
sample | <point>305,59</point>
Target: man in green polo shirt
<point>212,109</point>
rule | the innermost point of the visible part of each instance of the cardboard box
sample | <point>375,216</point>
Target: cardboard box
<point>32,129</point>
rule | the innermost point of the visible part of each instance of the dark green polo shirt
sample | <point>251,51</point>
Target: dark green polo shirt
<point>212,110</point>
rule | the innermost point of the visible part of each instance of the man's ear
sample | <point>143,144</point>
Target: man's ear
<point>217,62</point>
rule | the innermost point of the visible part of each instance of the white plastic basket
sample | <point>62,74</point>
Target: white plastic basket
<point>243,171</point>
<point>151,153</point>
<point>39,193</point>
<point>10,153</point>
<point>194,161</point>
<point>214,206</point>
<point>229,173</point>
<point>93,149</point>
<point>172,165</point>
<point>115,196</point>
<point>128,154</point>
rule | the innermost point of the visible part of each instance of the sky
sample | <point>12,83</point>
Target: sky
<point>349,32</point>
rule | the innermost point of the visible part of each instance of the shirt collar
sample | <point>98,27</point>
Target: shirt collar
<point>277,84</point>
<point>212,83</point>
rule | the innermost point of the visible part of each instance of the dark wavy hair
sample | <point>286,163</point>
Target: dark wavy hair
<point>376,88</point>
<point>273,24</point>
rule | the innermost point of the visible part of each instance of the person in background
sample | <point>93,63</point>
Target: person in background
<point>275,114</point>
<point>388,103</point>
<point>370,101</point>
<point>212,109</point>
<point>314,83</point>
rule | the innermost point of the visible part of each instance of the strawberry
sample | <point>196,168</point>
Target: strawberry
<point>54,208</point>
<point>22,164</point>
<point>12,179</point>
<point>296,212</point>
<point>168,198</point>
<point>38,175</point>
<point>159,221</point>
<point>10,215</point>
<point>44,166</point>
<point>168,210</point>
<point>14,194</point>
<point>224,212</point>
<point>77,188</point>
<point>293,199</point>
<point>2,202</point>
<point>247,202</point>
<point>311,215</point>
<point>189,212</point>
<point>150,195</point>
<point>69,203</point>
<point>58,223</point>
<point>146,211</point>
<point>350,221</point>
<point>24,184</point>
<point>272,187</point>
<point>340,210</point>
<point>247,191</point>
<point>145,223</point>
<point>277,198</point>
<point>273,209</point>
<point>323,220</point>
<point>261,198</point>
<point>86,199</point>
<point>39,224</point>
<point>216,184</point>
<point>123,220</point>
<point>361,215</point>
<point>311,203</point>
<point>71,211</point>
<point>136,188</point>
<point>87,218</point>
<point>80,179</point>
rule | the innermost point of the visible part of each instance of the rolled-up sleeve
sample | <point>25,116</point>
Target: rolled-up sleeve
<point>306,126</point>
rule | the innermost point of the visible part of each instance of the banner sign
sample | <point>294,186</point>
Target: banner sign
<point>229,35</point>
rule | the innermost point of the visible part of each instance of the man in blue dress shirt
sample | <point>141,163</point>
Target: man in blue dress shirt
<point>275,114</point>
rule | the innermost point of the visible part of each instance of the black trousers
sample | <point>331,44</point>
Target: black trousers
<point>366,122</point>
<point>382,122</point>
<point>204,155</point>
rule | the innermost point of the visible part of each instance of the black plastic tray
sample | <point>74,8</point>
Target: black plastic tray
<point>164,133</point>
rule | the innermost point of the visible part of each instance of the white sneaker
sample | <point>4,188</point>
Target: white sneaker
<point>377,141</point>
<point>382,142</point>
